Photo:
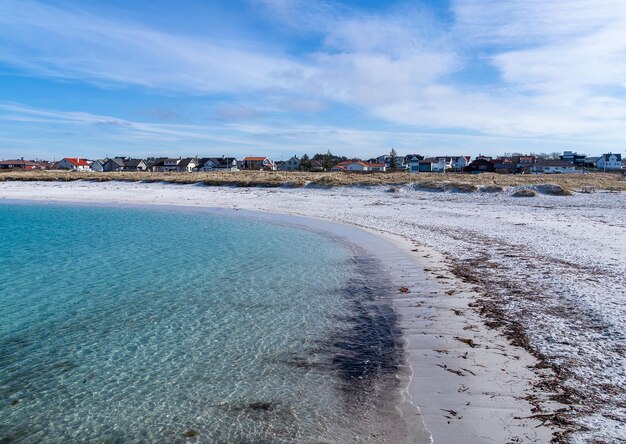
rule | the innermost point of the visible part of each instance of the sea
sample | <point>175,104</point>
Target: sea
<point>137,324</point>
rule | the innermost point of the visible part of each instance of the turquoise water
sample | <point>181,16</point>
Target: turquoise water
<point>147,325</point>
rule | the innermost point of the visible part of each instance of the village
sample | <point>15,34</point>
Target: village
<point>567,163</point>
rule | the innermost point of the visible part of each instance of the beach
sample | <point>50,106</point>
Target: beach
<point>512,309</point>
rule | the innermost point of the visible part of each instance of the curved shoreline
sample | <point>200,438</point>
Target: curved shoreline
<point>430,326</point>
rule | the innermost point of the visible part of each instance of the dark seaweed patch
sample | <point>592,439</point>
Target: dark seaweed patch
<point>368,350</point>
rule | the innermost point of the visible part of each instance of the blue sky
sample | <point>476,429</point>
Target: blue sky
<point>93,78</point>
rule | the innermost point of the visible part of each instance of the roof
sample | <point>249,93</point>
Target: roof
<point>76,161</point>
<point>19,162</point>
<point>186,162</point>
<point>253,159</point>
<point>553,163</point>
<point>606,156</point>
<point>132,162</point>
<point>378,165</point>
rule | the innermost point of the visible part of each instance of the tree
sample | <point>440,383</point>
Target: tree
<point>327,161</point>
<point>305,163</point>
<point>393,159</point>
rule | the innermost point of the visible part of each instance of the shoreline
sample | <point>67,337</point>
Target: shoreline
<point>460,389</point>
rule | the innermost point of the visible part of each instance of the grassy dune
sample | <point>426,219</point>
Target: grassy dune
<point>450,181</point>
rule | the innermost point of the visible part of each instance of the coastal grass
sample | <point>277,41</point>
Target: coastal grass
<point>561,183</point>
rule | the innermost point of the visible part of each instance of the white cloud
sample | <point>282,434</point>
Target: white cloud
<point>558,67</point>
<point>78,44</point>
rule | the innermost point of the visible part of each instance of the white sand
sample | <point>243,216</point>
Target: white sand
<point>557,262</point>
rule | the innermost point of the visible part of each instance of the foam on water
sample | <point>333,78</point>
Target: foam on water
<point>121,325</point>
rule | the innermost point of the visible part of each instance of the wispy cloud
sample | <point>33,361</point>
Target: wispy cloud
<point>76,44</point>
<point>557,72</point>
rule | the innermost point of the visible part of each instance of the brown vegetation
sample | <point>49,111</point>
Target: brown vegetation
<point>433,181</point>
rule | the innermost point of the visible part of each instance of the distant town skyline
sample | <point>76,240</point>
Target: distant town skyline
<point>286,77</point>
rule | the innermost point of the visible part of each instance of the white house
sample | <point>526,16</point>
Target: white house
<point>292,164</point>
<point>188,165</point>
<point>219,164</point>
<point>460,162</point>
<point>73,163</point>
<point>609,162</point>
<point>364,166</point>
<point>552,166</point>
<point>356,166</point>
<point>414,165</point>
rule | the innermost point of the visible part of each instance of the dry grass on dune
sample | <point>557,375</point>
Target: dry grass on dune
<point>442,182</point>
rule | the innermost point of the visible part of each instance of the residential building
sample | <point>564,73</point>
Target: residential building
<point>258,163</point>
<point>292,164</point>
<point>414,165</point>
<point>553,166</point>
<point>219,164</point>
<point>317,167</point>
<point>188,165</point>
<point>609,161</point>
<point>20,164</point>
<point>503,165</point>
<point>480,165</point>
<point>97,165</point>
<point>124,164</point>
<point>72,164</point>
<point>460,162</point>
<point>573,157</point>
<point>166,165</point>
<point>364,166</point>
<point>435,164</point>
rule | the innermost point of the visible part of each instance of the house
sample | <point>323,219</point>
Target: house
<point>355,166</point>
<point>219,164</point>
<point>503,165</point>
<point>20,164</point>
<point>460,162</point>
<point>434,164</point>
<point>73,164</point>
<point>481,165</point>
<point>609,161</point>
<point>553,166</point>
<point>387,160</point>
<point>258,163</point>
<point>317,167</point>
<point>124,164</point>
<point>379,167</point>
<point>97,165</point>
<point>414,165</point>
<point>525,163</point>
<point>406,160</point>
<point>573,157</point>
<point>292,164</point>
<point>591,162</point>
<point>166,165</point>
<point>364,166</point>
<point>188,165</point>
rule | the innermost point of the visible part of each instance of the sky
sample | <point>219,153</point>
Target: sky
<point>96,78</point>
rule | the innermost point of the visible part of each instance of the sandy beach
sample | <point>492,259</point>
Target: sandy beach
<point>513,309</point>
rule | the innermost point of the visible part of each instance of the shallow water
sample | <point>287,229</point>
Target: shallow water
<point>122,325</point>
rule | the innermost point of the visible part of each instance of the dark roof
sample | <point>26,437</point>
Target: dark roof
<point>133,163</point>
<point>19,162</point>
<point>606,156</point>
<point>220,161</point>
<point>553,162</point>
<point>185,162</point>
